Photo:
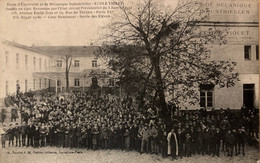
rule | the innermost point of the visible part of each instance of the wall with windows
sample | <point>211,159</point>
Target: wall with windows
<point>18,63</point>
<point>78,64</point>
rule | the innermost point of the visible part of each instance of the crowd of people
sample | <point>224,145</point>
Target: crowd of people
<point>81,121</point>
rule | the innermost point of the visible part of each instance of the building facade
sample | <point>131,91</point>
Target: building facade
<point>35,68</point>
<point>18,63</point>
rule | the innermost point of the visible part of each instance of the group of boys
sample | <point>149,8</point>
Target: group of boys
<point>115,123</point>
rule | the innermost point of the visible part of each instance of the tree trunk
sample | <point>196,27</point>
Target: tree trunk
<point>142,94</point>
<point>159,83</point>
<point>67,81</point>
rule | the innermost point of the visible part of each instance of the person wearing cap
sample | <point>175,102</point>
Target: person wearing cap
<point>10,133</point>
<point>218,138</point>
<point>95,133</point>
<point>103,136</point>
<point>88,136</point>
<point>37,135</point>
<point>3,135</point>
<point>17,135</point>
<point>154,139</point>
<point>133,137</point>
<point>30,130</point>
<point>127,139</point>
<point>230,140</point>
<point>23,132</point>
<point>241,140</point>
<point>145,134</point>
<point>42,131</point>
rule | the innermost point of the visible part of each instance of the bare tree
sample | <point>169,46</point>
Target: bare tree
<point>172,43</point>
<point>68,63</point>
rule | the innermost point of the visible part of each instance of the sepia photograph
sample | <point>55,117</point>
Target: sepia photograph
<point>121,81</point>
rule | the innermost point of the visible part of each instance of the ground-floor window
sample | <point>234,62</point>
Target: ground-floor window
<point>45,82</point>
<point>206,95</point>
<point>58,83</point>
<point>40,83</point>
<point>76,82</point>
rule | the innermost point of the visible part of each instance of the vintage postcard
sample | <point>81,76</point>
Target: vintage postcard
<point>112,81</point>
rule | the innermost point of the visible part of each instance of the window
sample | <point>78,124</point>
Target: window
<point>34,84</point>
<point>58,83</point>
<point>6,88</point>
<point>34,63</point>
<point>76,63</point>
<point>40,63</point>
<point>40,83</point>
<point>26,62</point>
<point>247,52</point>
<point>206,95</point>
<point>94,63</point>
<point>59,63</point>
<point>76,82</point>
<point>112,82</point>
<point>6,59</point>
<point>17,60</point>
<point>49,83</point>
<point>49,64</point>
<point>45,82</point>
<point>25,86</point>
<point>257,52</point>
<point>45,65</point>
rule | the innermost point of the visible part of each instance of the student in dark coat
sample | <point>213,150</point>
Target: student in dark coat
<point>23,132</point>
<point>230,140</point>
<point>235,134</point>
<point>30,130</point>
<point>241,139</point>
<point>89,137</point>
<point>17,135</point>
<point>37,136</point>
<point>181,139</point>
<point>218,138</point>
<point>10,133</point>
<point>188,144</point>
<point>133,137</point>
<point>95,133</point>
<point>163,142</point>
<point>42,131</point>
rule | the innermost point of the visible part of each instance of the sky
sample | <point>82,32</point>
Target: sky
<point>55,32</point>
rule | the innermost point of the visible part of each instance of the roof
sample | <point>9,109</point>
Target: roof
<point>77,51</point>
<point>25,47</point>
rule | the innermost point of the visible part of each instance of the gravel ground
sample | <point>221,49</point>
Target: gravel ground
<point>64,155</point>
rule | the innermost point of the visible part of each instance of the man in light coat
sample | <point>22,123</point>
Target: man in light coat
<point>172,144</point>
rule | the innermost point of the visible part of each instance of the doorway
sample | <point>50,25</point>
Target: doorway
<point>249,95</point>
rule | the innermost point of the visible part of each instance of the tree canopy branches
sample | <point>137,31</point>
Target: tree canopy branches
<point>160,48</point>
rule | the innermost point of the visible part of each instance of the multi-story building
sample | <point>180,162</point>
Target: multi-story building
<point>82,63</point>
<point>18,63</point>
<point>34,68</point>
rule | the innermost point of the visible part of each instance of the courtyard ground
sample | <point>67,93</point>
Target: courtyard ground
<point>65,155</point>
